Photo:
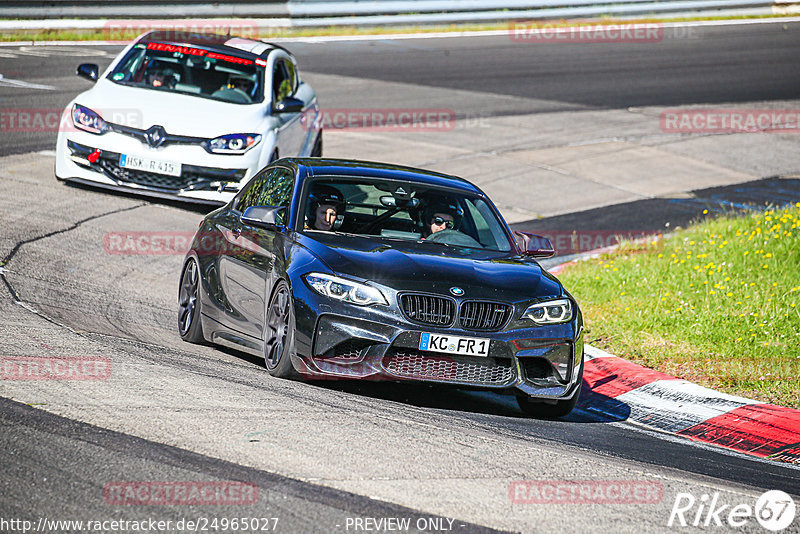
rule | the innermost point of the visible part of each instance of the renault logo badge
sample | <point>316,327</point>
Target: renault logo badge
<point>155,136</point>
<point>457,291</point>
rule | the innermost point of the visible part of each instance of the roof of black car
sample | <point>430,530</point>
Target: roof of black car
<point>372,169</point>
<point>227,44</point>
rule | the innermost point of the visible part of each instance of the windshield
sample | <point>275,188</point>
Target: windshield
<point>399,210</point>
<point>191,71</point>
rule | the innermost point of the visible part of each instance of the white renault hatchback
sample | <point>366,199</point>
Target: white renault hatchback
<point>193,119</point>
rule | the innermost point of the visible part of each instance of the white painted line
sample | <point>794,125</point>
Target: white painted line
<point>675,405</point>
<point>48,153</point>
<point>8,82</point>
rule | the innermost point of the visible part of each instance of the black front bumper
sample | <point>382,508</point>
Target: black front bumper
<point>532,361</point>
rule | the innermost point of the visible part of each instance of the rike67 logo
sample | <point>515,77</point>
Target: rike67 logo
<point>774,510</point>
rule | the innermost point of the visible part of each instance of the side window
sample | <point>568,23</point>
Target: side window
<point>284,80</point>
<point>280,82</point>
<point>272,187</point>
<point>291,71</point>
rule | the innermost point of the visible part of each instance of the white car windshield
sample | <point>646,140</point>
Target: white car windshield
<point>191,71</point>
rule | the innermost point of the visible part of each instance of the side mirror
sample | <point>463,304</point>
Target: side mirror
<point>263,216</point>
<point>289,104</point>
<point>88,70</point>
<point>534,245</point>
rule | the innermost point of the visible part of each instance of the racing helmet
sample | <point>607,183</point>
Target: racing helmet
<point>443,206</point>
<point>159,71</point>
<point>320,195</point>
<point>243,83</point>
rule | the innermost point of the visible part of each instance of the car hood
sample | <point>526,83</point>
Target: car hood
<point>178,114</point>
<point>414,266</point>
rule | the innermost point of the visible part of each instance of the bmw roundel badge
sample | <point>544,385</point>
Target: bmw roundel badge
<point>457,291</point>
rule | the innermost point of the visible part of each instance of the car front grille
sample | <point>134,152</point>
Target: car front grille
<point>189,179</point>
<point>428,309</point>
<point>444,368</point>
<point>192,177</point>
<point>483,315</point>
<point>435,310</point>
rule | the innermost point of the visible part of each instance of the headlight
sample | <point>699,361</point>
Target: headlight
<point>550,312</point>
<point>344,290</point>
<point>232,144</point>
<point>87,120</point>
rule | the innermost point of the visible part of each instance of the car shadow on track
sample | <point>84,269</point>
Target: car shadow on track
<point>187,205</point>
<point>592,407</point>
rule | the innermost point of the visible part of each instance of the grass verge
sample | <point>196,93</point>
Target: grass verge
<point>117,34</point>
<point>717,303</point>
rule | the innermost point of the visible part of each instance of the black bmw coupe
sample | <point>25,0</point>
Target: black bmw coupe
<point>356,270</point>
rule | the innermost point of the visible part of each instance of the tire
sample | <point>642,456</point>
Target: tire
<point>542,410</point>
<point>279,333</point>
<point>316,152</point>
<point>189,305</point>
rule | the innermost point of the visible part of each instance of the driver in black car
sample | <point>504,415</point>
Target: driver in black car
<point>325,204</point>
<point>442,216</point>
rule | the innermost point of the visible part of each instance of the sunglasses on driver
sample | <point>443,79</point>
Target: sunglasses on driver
<point>438,221</point>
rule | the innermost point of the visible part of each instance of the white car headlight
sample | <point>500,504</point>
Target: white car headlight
<point>550,312</point>
<point>344,290</point>
<point>87,120</point>
<point>232,143</point>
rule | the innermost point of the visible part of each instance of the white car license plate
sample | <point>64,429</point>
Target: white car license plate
<point>150,165</point>
<point>468,346</point>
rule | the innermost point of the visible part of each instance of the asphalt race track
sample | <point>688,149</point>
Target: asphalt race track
<point>325,454</point>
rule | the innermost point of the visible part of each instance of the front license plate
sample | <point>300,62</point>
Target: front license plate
<point>468,346</point>
<point>169,168</point>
